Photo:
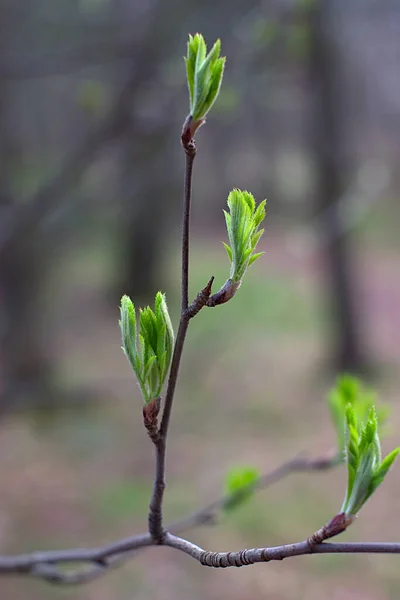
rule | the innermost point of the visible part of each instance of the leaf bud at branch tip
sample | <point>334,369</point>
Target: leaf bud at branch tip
<point>204,74</point>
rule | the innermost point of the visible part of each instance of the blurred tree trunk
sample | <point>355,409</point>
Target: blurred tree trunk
<point>329,155</point>
<point>150,193</point>
<point>141,247</point>
<point>150,198</point>
<point>24,370</point>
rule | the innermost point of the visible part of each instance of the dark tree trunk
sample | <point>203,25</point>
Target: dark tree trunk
<point>24,370</point>
<point>331,167</point>
<point>150,197</point>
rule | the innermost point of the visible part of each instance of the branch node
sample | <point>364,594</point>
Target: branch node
<point>102,562</point>
<point>200,300</point>
<point>150,420</point>
<point>225,294</point>
<point>157,531</point>
<point>188,131</point>
<point>337,525</point>
<point>187,137</point>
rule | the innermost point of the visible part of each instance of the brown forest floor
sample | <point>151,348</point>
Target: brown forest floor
<point>252,391</point>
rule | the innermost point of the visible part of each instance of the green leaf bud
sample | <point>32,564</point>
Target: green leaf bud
<point>204,76</point>
<point>350,390</point>
<point>242,222</point>
<point>365,468</point>
<point>148,347</point>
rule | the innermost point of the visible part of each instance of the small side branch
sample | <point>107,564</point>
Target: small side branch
<point>337,525</point>
<point>200,300</point>
<point>225,294</point>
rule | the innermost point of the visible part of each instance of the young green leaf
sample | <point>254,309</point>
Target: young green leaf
<point>350,390</point>
<point>242,222</point>
<point>365,468</point>
<point>204,74</point>
<point>239,485</point>
<point>148,347</point>
<point>129,340</point>
<point>384,468</point>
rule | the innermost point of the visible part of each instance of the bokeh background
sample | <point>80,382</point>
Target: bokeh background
<point>92,100</point>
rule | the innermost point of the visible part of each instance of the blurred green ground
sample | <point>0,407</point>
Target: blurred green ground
<point>252,390</point>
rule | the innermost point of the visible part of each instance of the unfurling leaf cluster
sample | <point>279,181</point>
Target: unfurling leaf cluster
<point>243,224</point>
<point>350,390</point>
<point>365,468</point>
<point>148,346</point>
<point>204,75</point>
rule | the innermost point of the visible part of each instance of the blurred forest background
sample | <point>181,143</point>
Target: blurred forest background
<point>92,100</point>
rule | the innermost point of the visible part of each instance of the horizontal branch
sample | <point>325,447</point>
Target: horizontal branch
<point>251,556</point>
<point>44,564</point>
<point>25,563</point>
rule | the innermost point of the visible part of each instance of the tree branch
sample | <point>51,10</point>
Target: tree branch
<point>155,509</point>
<point>43,565</point>
<point>251,556</point>
<point>190,153</point>
<point>25,563</point>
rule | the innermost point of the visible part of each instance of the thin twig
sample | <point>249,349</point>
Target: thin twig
<point>155,519</point>
<point>190,153</point>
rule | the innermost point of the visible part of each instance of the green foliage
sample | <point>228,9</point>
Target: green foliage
<point>204,75</point>
<point>243,222</point>
<point>350,390</point>
<point>365,468</point>
<point>149,346</point>
<point>239,485</point>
